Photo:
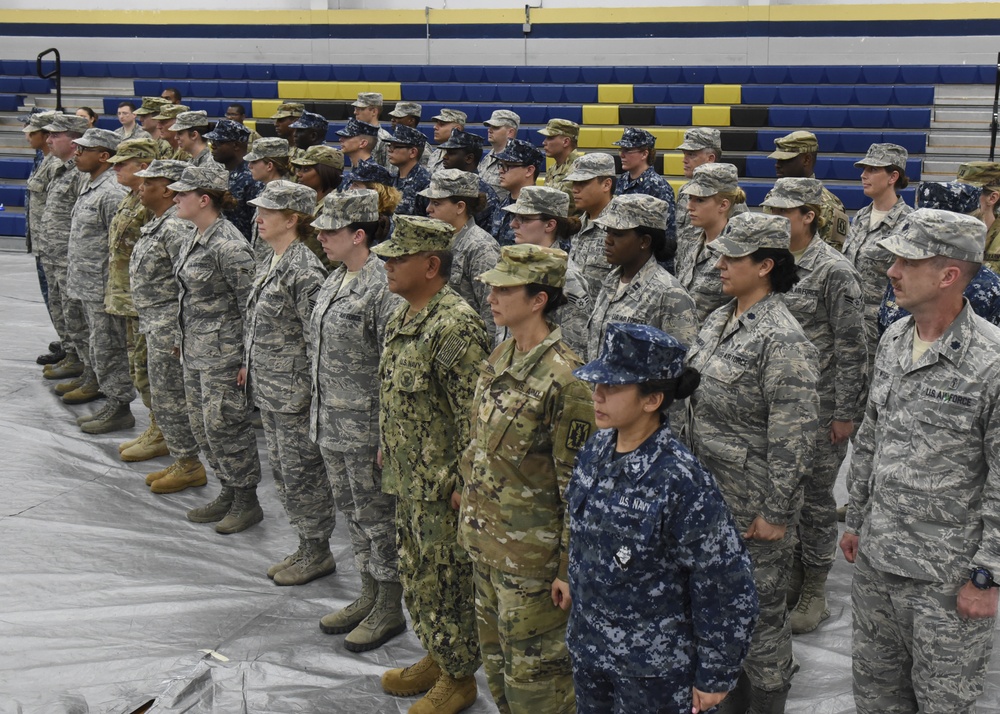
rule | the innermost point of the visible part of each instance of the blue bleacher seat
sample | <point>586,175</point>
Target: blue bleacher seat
<point>151,87</point>
<point>322,73</point>
<point>880,74</point>
<point>793,117</point>
<point>331,133</point>
<point>685,94</point>
<point>597,75</point>
<point>500,74</point>
<point>93,69</point>
<point>833,94</point>
<point>288,72</point>
<point>260,72</point>
<point>431,109</point>
<point>513,93</point>
<point>736,75</point>
<point>913,169</point>
<point>914,142</point>
<point>10,103</point>
<point>528,135</point>
<point>480,92</point>
<point>12,224</point>
<point>823,168</point>
<point>572,112</point>
<point>468,75</point>
<point>843,168</point>
<point>828,117</point>
<point>854,197</point>
<point>15,168</point>
<point>232,88</point>
<point>584,93</point>
<point>857,142</point>
<point>760,167</point>
<point>828,140</point>
<point>903,118</point>
<point>664,75</point>
<point>428,131</point>
<point>796,94</point>
<point>70,68</point>
<point>959,74</point>
<point>449,93</point>
<point>479,131</point>
<point>16,67</point>
<point>109,122</point>
<point>763,74</point>
<point>531,75</point>
<point>988,74</point>
<point>700,75</point>
<point>36,85</point>
<point>377,72</point>
<point>262,90</point>
<point>755,191</point>
<point>10,85</point>
<point>873,95</point>
<point>147,70</point>
<point>11,195</point>
<point>174,70</point>
<point>650,94</point>
<point>563,75</point>
<point>920,74</point>
<point>533,114</point>
<point>415,92</point>
<point>437,73</point>
<point>842,74</point>
<point>673,116</point>
<point>913,94</point>
<point>546,93</point>
<point>203,88</point>
<point>759,94</point>
<point>630,75</point>
<point>805,74</point>
<point>406,73</point>
<point>212,107</point>
<point>203,70</point>
<point>766,137</point>
<point>232,71</point>
<point>867,117</point>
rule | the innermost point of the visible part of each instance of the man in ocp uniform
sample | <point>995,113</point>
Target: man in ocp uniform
<point>147,114</point>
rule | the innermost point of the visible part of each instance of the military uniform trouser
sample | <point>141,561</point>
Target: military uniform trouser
<point>436,575</point>
<point>220,421</point>
<point>817,529</point>
<point>56,277</point>
<point>599,692</point>
<point>522,637</point>
<point>109,353</point>
<point>769,664</point>
<point>911,651</point>
<point>356,481</point>
<point>299,473</point>
<point>43,283</point>
<point>137,359</point>
<point>167,393</point>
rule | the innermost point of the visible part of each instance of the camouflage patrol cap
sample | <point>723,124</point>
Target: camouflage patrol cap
<point>446,183</point>
<point>38,121</point>
<point>635,138</point>
<point>535,200</point>
<point>452,116</point>
<point>164,168</point>
<point>171,111</point>
<point>462,140</point>
<point>632,353</point>
<point>948,196</point>
<point>930,232</point>
<point>980,173</point>
<point>794,192</point>
<point>880,155</point>
<point>67,122</point>
<point>711,179</point>
<point>520,152</point>
<point>210,177</point>
<point>99,138</point>
<point>503,117</point>
<point>590,166</point>
<point>151,105</point>
<point>791,145</point>
<point>310,120</point>
<point>368,171</point>
<point>632,210</point>
<point>406,109</point>
<point>289,109</point>
<point>368,99</point>
<point>144,149</point>
<point>321,154</point>
<point>342,208</point>
<point>416,234</point>
<point>526,264</point>
<point>270,147</point>
<point>286,196</point>
<point>747,232</point>
<point>561,127</point>
<point>191,120</point>
<point>701,137</point>
<point>407,136</point>
<point>357,128</point>
<point>228,130</point>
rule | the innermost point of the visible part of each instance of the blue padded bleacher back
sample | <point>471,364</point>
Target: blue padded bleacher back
<point>212,107</point>
<point>630,75</point>
<point>377,72</point>
<point>755,192</point>
<point>121,70</point>
<point>828,140</point>
<point>664,75</point>
<point>597,75</point>
<point>828,117</point>
<point>867,117</point>
<point>880,74</point>
<point>853,197</point>
<point>331,133</point>
<point>735,75</point>
<point>434,73</point>
<point>109,122</point>
<point>913,142</point>
<point>203,70</point>
<point>449,93</point>
<point>416,92</point>
<point>857,142</point>
<point>147,70</point>
<point>673,116</point>
<point>174,70</point>
<point>12,195</point>
<point>481,92</point>
<point>407,73</point>
<point>760,94</point>
<point>805,74</point>
<point>843,169</point>
<point>572,112</point>
<point>788,116</point>
<point>430,110</point>
<point>15,67</point>
<point>796,94</point>
<point>12,224</point>
<point>232,88</point>
<point>920,74</point>
<point>70,68</point>
<point>909,118</point>
<point>701,75</point>
<point>918,95</point>
<point>324,73</point>
<point>546,93</point>
<point>823,168</point>
<point>760,167</point>
<point>513,93</point>
<point>650,94</point>
<point>873,95</point>
<point>563,75</point>
<point>533,114</point>
<point>766,137</point>
<point>288,72</point>
<point>10,85</point>
<point>913,169</point>
<point>203,88</point>
<point>15,168</point>
<point>261,72</point>
<point>36,85</point>
<point>232,71</point>
<point>93,69</point>
<point>582,93</point>
<point>468,75</point>
<point>988,74</point>
<point>842,75</point>
<point>959,74</point>
<point>531,75</point>
<point>685,94</point>
<point>834,94</point>
<point>9,103</point>
<point>500,74</point>
<point>769,75</point>
<point>152,87</point>
<point>262,90</point>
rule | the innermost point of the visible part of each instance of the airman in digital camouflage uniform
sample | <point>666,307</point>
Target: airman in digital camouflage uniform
<point>191,129</point>
<point>924,483</point>
<point>367,108</point>
<point>407,147</point>
<point>663,594</point>
<point>434,346</point>
<point>559,144</point>
<point>795,157</point>
<point>166,116</point>
<point>640,292</point>
<point>701,145</point>
<point>444,123</point>
<point>519,166</point>
<point>147,114</point>
<point>593,181</point>
<point>753,423</point>
<point>276,363</point>
<point>531,416</point>
<point>229,147</point>
<point>36,188</point>
<point>346,333</point>
<point>154,295</point>
<point>274,152</point>
<point>827,303</point>
<point>464,151</point>
<point>637,149</point>
<point>501,127</point>
<point>986,175</point>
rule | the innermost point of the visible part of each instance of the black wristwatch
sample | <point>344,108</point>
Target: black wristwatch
<point>982,578</point>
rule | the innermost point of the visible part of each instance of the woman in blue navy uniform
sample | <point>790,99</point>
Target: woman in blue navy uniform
<point>663,599</point>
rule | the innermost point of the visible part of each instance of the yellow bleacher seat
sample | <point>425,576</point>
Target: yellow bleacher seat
<point>600,113</point>
<point>590,137</point>
<point>328,90</point>
<point>723,93</point>
<point>614,93</point>
<point>610,135</point>
<point>250,124</point>
<point>676,184</point>
<point>673,164</point>
<point>391,91</point>
<point>293,90</point>
<point>264,108</point>
<point>667,138</point>
<point>710,115</point>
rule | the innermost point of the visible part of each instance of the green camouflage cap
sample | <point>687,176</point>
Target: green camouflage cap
<point>590,166</point>
<point>632,210</point>
<point>711,179</point>
<point>67,122</point>
<point>99,138</point>
<point>503,117</point>
<point>406,109</point>
<point>452,116</point>
<point>271,147</point>
<point>321,154</point>
<point>561,127</point>
<point>416,234</point>
<point>540,199</point>
<point>446,183</point>
<point>286,196</point>
<point>38,121</point>
<point>164,168</point>
<point>930,232</point>
<point>190,120</point>
<point>171,111</point>
<point>790,146</point>
<point>289,109</point>
<point>985,174</point>
<point>880,155</point>
<point>526,264</point>
<point>747,232</point>
<point>368,99</point>
<point>144,149</point>
<point>701,137</point>
<point>342,208</point>
<point>794,192</point>
<point>151,105</point>
<point>210,177</point>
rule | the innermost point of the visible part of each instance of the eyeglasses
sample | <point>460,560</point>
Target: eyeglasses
<point>504,168</point>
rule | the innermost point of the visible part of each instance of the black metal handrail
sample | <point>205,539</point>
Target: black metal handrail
<point>995,124</point>
<point>57,73</point>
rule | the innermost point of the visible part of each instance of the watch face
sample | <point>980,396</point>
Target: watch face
<point>982,578</point>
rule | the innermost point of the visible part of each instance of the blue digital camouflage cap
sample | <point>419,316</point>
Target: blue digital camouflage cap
<point>462,140</point>
<point>948,196</point>
<point>407,136</point>
<point>357,128</point>
<point>634,138</point>
<point>228,130</point>
<point>368,171</point>
<point>310,120</point>
<point>518,151</point>
<point>632,354</point>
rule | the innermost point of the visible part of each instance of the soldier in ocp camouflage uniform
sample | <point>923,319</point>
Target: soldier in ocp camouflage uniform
<point>166,116</point>
<point>559,143</point>
<point>663,595</point>
<point>434,346</point>
<point>701,145</point>
<point>986,175</point>
<point>147,114</point>
<point>924,484</point>
<point>593,180</point>
<point>531,416</point>
<point>276,364</point>
<point>411,178</point>
<point>753,424</point>
<point>346,334</point>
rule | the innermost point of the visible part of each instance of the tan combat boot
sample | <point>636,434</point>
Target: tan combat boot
<point>114,417</point>
<point>244,512</point>
<point>69,367</point>
<point>183,473</point>
<point>447,696</point>
<point>351,616</point>
<point>811,608</point>
<point>149,445</point>
<point>385,621</point>
<point>316,561</point>
<point>412,680</point>
<point>214,510</point>
<point>795,578</point>
<point>86,392</point>
<point>278,567</point>
<point>67,387</point>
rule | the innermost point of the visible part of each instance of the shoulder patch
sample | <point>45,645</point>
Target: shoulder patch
<point>451,350</point>
<point>577,435</point>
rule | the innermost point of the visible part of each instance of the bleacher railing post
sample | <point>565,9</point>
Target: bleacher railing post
<point>57,73</point>
<point>995,124</point>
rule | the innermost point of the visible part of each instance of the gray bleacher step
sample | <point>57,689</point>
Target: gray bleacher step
<point>11,244</point>
<point>957,140</point>
<point>962,115</point>
<point>961,93</point>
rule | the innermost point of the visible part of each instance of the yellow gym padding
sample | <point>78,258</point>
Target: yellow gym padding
<point>328,90</point>
<point>293,90</point>
<point>673,164</point>
<point>549,163</point>
<point>705,115</point>
<point>723,93</point>
<point>676,184</point>
<point>610,135</point>
<point>391,91</point>
<point>590,137</point>
<point>600,113</point>
<point>264,108</point>
<point>250,124</point>
<point>614,93</point>
<point>667,138</point>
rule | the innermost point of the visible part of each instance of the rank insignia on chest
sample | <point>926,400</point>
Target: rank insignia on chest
<point>623,556</point>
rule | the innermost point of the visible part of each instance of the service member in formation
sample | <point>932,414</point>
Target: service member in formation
<point>268,161</point>
<point>519,165</point>
<point>358,140</point>
<point>147,113</point>
<point>434,346</point>
<point>662,590</point>
<point>501,127</point>
<point>367,108</point>
<point>406,149</point>
<point>637,149</point>
<point>559,144</point>
<point>368,174</point>
<point>986,175</point>
<point>191,129</point>
<point>464,151</point>
<point>444,123</point>
<point>530,417</point>
<point>310,130</point>
<point>593,179</point>
<point>165,118</point>
<point>405,113</point>
<point>701,145</point>
<point>229,148</point>
<point>924,483</point>
<point>129,128</point>
<point>284,116</point>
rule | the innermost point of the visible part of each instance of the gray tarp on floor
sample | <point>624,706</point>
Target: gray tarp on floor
<point>109,597</point>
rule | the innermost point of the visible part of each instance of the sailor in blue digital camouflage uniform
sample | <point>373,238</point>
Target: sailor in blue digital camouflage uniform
<point>406,148</point>
<point>520,163</point>
<point>663,597</point>
<point>464,151</point>
<point>637,150</point>
<point>229,147</point>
